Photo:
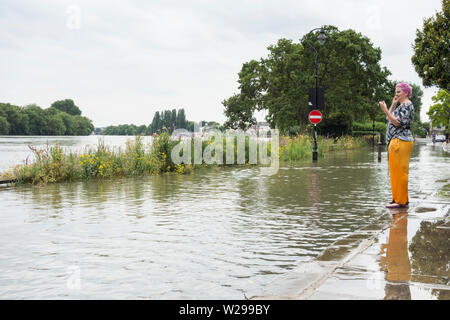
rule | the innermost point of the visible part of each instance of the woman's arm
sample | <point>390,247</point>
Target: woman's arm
<point>393,105</point>
<point>389,114</point>
<point>391,109</point>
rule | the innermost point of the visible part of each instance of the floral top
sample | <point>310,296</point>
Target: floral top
<point>405,115</point>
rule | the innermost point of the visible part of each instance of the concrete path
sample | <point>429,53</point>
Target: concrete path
<point>404,255</point>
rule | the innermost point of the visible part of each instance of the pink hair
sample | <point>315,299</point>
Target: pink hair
<point>406,88</point>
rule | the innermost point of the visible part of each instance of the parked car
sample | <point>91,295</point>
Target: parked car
<point>440,138</point>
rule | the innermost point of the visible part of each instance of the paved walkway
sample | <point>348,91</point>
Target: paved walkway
<point>403,255</point>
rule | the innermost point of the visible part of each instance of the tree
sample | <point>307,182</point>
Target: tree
<point>32,120</point>
<point>17,120</point>
<point>70,124</point>
<point>439,113</point>
<point>416,99</point>
<point>36,119</point>
<point>430,254</point>
<point>173,119</point>
<point>239,111</point>
<point>349,70</point>
<point>181,119</point>
<point>167,119</point>
<point>141,129</point>
<point>431,53</point>
<point>4,126</point>
<point>85,126</point>
<point>156,122</point>
<point>55,125</point>
<point>67,106</point>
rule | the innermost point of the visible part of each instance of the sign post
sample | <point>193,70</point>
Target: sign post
<point>315,117</point>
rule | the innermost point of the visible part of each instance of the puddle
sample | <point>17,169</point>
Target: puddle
<point>424,209</point>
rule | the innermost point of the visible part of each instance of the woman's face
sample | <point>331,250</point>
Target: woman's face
<point>400,94</point>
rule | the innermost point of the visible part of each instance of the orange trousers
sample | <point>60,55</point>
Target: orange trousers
<point>399,155</point>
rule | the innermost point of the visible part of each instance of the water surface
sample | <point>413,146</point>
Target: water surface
<point>216,234</point>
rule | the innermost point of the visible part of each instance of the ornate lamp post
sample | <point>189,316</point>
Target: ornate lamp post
<point>321,38</point>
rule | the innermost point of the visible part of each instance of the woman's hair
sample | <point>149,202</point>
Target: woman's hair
<point>406,88</point>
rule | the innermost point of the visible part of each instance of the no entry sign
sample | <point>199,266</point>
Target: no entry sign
<point>315,117</point>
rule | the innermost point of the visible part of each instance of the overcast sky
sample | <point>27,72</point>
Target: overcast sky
<point>121,61</point>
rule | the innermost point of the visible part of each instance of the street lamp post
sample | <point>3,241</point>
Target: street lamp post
<point>321,38</point>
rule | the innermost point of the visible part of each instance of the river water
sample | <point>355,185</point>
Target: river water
<point>216,234</point>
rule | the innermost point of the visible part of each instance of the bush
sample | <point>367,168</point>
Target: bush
<point>366,129</point>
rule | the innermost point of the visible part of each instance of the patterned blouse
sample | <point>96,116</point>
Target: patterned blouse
<point>405,115</point>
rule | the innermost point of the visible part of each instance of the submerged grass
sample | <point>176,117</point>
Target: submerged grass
<point>301,146</point>
<point>53,164</point>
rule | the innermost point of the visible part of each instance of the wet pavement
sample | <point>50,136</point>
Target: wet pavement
<point>404,255</point>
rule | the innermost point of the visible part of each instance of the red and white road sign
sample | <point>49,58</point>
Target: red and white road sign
<point>315,117</point>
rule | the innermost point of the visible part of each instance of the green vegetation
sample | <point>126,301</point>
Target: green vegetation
<point>439,113</point>
<point>125,130</point>
<point>349,70</point>
<point>53,164</point>
<point>62,118</point>
<point>301,146</point>
<point>430,255</point>
<point>168,119</point>
<point>366,130</point>
<point>445,191</point>
<point>431,49</point>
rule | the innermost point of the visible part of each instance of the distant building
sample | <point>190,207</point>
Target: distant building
<point>259,128</point>
<point>98,131</point>
<point>438,130</point>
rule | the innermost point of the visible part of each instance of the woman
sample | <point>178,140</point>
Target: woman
<point>400,143</point>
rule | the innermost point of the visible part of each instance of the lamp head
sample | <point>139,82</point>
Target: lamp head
<point>322,37</point>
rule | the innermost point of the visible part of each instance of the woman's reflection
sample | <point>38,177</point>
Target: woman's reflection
<point>396,262</point>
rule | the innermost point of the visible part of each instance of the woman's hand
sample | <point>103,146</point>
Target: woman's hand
<point>394,101</point>
<point>383,106</point>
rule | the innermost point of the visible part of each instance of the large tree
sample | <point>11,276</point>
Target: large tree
<point>349,70</point>
<point>431,49</point>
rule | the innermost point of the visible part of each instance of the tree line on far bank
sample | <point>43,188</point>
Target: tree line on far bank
<point>165,120</point>
<point>62,118</point>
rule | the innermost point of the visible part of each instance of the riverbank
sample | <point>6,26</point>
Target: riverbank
<point>403,255</point>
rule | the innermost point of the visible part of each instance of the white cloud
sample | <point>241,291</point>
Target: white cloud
<point>125,60</point>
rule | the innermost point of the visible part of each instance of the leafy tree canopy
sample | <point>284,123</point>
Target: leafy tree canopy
<point>33,120</point>
<point>439,113</point>
<point>67,106</point>
<point>348,69</point>
<point>431,49</point>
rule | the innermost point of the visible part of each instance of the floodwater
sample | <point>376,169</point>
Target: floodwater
<point>219,233</point>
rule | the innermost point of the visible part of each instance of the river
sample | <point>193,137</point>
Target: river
<point>218,233</point>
